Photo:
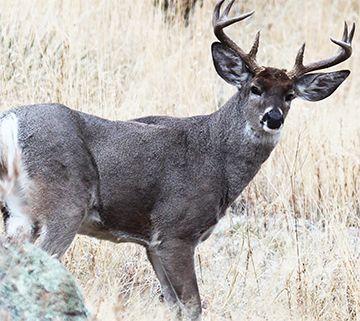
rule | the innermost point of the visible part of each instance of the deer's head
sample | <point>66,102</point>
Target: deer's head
<point>268,92</point>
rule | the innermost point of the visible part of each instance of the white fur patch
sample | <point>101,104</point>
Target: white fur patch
<point>155,242</point>
<point>269,109</point>
<point>9,150</point>
<point>273,131</point>
<point>275,134</point>
<point>19,222</point>
<point>13,178</point>
<point>263,134</point>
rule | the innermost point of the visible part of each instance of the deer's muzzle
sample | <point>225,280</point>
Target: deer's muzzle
<point>273,119</point>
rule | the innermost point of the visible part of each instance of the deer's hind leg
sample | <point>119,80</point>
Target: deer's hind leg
<point>51,214</point>
<point>60,211</point>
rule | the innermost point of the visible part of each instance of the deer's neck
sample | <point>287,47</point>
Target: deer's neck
<point>244,150</point>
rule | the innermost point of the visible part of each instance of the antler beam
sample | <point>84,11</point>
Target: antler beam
<point>342,54</point>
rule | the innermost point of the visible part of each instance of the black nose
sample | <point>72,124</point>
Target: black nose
<point>273,119</point>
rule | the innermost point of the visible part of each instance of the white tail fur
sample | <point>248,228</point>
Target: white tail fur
<point>13,177</point>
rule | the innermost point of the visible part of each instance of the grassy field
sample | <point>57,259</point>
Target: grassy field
<point>289,248</point>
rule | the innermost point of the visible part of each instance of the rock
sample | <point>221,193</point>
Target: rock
<point>35,286</point>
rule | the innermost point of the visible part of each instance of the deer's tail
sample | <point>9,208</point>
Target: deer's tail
<point>13,178</point>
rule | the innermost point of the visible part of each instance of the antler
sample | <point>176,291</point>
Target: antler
<point>219,23</point>
<point>342,54</point>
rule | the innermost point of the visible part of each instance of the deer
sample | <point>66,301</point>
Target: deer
<point>159,181</point>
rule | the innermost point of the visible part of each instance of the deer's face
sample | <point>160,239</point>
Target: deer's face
<point>269,95</point>
<point>266,93</point>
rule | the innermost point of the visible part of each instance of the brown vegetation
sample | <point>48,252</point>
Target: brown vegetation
<point>289,248</point>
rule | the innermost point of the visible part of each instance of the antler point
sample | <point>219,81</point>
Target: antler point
<point>222,21</point>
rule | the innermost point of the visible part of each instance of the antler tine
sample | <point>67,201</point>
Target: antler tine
<point>220,22</point>
<point>343,53</point>
<point>254,49</point>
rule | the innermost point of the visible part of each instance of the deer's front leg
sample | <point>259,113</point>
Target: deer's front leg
<point>173,262</point>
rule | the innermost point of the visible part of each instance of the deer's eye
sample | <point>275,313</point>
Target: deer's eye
<point>255,90</point>
<point>289,97</point>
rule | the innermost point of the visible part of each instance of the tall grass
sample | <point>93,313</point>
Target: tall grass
<point>289,248</point>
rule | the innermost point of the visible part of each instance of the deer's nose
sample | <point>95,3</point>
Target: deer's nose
<point>273,119</point>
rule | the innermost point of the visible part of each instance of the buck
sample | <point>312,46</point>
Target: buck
<point>162,182</point>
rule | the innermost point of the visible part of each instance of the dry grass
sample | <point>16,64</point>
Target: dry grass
<point>289,249</point>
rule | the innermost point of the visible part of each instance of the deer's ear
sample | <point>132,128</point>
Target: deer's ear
<point>314,87</point>
<point>229,65</point>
